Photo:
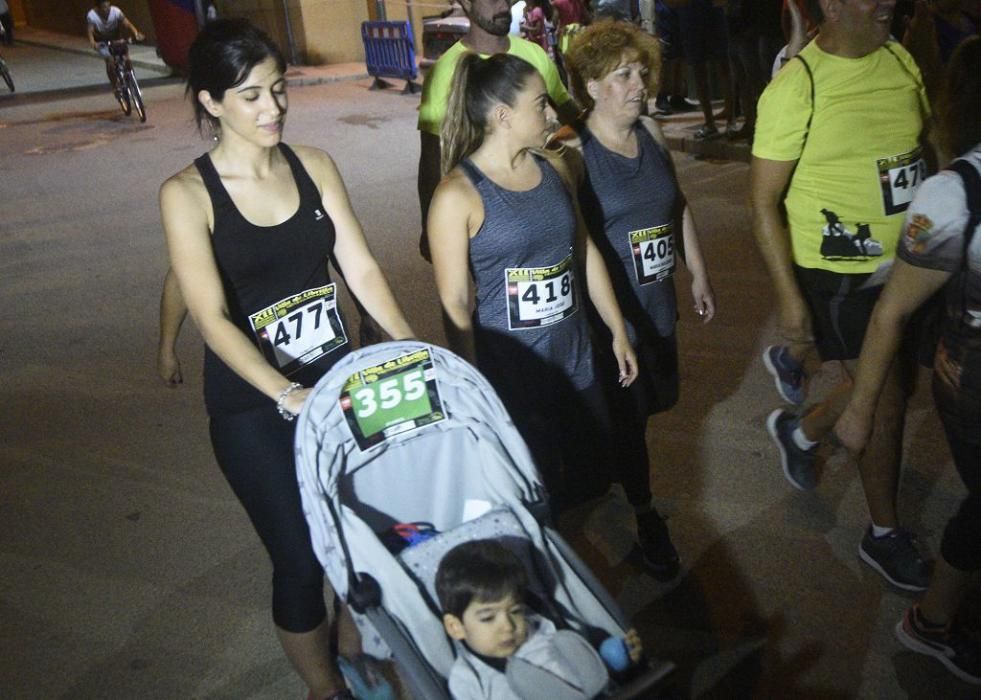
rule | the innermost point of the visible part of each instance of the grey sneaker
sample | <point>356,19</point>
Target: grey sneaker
<point>958,652</point>
<point>897,558</point>
<point>798,465</point>
<point>787,372</point>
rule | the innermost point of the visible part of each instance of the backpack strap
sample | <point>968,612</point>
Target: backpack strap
<point>810,77</point>
<point>972,190</point>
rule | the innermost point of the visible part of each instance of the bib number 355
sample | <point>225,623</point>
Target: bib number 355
<point>392,398</point>
<point>389,393</point>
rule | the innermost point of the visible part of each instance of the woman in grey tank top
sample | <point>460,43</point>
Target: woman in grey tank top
<point>633,206</point>
<point>503,218</point>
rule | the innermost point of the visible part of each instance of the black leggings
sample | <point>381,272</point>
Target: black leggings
<point>567,430</point>
<point>255,451</point>
<point>960,412</point>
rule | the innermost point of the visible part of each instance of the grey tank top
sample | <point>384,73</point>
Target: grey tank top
<point>529,298</point>
<point>630,205</point>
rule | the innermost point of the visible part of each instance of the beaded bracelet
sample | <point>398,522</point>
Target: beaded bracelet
<point>286,415</point>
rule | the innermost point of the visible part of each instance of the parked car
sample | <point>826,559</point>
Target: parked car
<point>440,33</point>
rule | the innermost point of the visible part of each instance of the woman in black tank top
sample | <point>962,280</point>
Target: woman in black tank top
<point>250,227</point>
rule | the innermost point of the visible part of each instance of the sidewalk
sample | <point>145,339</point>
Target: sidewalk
<point>142,56</point>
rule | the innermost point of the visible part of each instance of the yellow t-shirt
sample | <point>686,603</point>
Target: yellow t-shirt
<point>858,164</point>
<point>436,87</point>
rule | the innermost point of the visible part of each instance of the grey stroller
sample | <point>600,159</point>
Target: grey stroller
<point>405,433</point>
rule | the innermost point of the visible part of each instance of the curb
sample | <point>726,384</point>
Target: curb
<point>164,70</point>
<point>299,79</point>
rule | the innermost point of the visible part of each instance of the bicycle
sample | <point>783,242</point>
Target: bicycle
<point>126,88</point>
<point>4,70</point>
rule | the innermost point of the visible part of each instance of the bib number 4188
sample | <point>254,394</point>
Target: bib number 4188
<point>532,295</point>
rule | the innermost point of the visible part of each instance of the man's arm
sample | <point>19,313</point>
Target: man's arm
<point>91,34</point>
<point>132,30</point>
<point>768,182</point>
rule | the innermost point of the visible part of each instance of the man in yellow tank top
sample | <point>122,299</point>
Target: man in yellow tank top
<point>838,142</point>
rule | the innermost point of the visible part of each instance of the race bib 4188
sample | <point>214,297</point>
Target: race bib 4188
<point>540,296</point>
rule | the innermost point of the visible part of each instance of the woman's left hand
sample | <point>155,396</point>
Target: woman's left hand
<point>704,297</point>
<point>294,402</point>
<point>626,359</point>
<point>635,647</point>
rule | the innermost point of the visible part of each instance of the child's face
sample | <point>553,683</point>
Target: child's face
<point>495,629</point>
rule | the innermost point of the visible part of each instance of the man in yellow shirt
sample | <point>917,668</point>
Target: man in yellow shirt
<point>490,21</point>
<point>839,132</point>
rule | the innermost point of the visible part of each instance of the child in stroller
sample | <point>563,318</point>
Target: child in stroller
<point>407,438</point>
<point>505,652</point>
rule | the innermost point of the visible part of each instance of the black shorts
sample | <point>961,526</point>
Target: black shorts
<point>703,32</point>
<point>668,28</point>
<point>840,310</point>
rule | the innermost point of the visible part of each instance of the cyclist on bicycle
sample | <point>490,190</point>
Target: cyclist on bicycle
<point>107,23</point>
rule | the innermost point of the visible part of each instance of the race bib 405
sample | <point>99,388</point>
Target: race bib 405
<point>653,251</point>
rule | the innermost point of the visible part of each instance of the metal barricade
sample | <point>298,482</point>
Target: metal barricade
<point>389,52</point>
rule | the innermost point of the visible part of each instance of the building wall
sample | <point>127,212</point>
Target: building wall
<point>17,10</point>
<point>325,31</point>
<point>331,31</point>
<point>68,16</point>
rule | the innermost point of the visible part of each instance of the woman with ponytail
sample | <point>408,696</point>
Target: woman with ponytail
<point>512,260</point>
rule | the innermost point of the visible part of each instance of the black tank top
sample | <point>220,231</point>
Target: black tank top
<point>277,288</point>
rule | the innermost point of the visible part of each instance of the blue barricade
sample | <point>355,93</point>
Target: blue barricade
<point>389,52</point>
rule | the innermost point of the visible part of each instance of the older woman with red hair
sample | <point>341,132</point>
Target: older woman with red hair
<point>639,219</point>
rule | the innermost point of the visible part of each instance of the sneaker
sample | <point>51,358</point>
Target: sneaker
<point>798,465</point>
<point>706,133</point>
<point>680,104</point>
<point>897,558</point>
<point>656,547</point>
<point>662,105</point>
<point>787,372</point>
<point>959,654</point>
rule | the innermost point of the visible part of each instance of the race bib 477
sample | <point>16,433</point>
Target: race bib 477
<point>299,329</point>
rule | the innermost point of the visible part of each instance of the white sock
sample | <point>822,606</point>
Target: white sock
<point>801,440</point>
<point>878,531</point>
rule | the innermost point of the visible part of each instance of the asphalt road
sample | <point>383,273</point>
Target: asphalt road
<point>130,571</point>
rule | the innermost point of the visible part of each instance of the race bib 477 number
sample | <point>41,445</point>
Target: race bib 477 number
<point>392,398</point>
<point>653,251</point>
<point>299,329</point>
<point>540,296</point>
<point>899,176</point>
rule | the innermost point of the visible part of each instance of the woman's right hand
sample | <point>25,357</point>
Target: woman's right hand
<point>946,369</point>
<point>169,367</point>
